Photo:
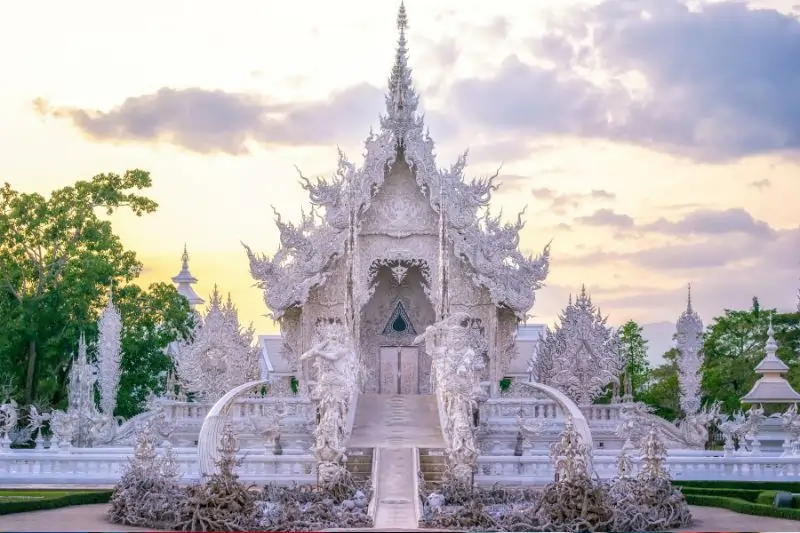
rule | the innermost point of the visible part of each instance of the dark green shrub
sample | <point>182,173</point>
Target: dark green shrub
<point>59,499</point>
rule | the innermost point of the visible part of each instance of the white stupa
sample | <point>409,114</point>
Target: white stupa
<point>184,281</point>
<point>772,387</point>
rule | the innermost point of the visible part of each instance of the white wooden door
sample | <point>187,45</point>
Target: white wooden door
<point>389,378</point>
<point>409,370</point>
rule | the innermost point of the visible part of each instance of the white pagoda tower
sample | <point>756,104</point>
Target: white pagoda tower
<point>184,280</point>
<point>772,387</point>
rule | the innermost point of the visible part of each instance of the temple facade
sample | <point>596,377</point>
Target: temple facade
<point>393,245</point>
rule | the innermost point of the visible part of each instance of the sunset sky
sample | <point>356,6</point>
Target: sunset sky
<point>659,148</point>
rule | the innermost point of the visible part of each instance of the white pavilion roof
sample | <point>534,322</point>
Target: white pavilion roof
<point>771,390</point>
<point>772,387</point>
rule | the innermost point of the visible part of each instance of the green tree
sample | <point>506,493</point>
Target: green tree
<point>633,350</point>
<point>661,389</point>
<point>57,259</point>
<point>734,344</point>
<point>151,320</point>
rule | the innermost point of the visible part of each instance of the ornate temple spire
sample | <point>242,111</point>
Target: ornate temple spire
<point>690,360</point>
<point>401,99</point>
<point>184,280</point>
<point>109,355</point>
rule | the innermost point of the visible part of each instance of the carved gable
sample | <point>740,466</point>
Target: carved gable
<point>400,209</point>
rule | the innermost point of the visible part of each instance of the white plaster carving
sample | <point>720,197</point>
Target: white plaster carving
<point>690,360</point>
<point>109,356</point>
<point>220,355</point>
<point>579,356</point>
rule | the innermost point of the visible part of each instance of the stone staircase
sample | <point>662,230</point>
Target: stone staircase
<point>359,463</point>
<point>393,425</point>
<point>432,464</point>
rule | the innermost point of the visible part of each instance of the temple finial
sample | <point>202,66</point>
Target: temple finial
<point>402,18</point>
<point>184,280</point>
<point>401,100</point>
<point>689,298</point>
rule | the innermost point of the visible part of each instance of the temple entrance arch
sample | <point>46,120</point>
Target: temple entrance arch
<point>397,310</point>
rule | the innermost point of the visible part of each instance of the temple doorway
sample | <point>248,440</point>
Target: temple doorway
<point>399,370</point>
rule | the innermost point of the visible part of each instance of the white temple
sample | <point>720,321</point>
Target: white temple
<point>394,245</point>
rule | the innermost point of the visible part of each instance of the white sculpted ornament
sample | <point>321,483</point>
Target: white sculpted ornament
<point>35,422</point>
<point>690,360</point>
<point>220,356</point>
<point>8,421</point>
<point>109,356</point>
<point>694,428</point>
<point>337,375</point>
<point>456,371</point>
<point>791,425</point>
<point>754,419</point>
<point>585,356</point>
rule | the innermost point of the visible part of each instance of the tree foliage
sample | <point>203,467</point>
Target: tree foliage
<point>151,319</point>
<point>58,259</point>
<point>661,390</point>
<point>734,344</point>
<point>633,350</point>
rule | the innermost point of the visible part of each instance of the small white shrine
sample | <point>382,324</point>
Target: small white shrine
<point>775,433</point>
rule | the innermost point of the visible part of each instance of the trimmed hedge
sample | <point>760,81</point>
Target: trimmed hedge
<point>741,506</point>
<point>792,486</point>
<point>742,494</point>
<point>43,501</point>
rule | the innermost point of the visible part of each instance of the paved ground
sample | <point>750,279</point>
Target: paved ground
<point>398,421</point>
<point>394,424</point>
<point>92,518</point>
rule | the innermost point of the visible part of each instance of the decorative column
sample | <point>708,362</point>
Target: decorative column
<point>690,360</point>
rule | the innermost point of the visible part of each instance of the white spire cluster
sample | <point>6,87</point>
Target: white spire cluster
<point>221,356</point>
<point>582,351</point>
<point>109,356</point>
<point>690,359</point>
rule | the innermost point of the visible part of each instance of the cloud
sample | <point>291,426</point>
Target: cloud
<point>701,222</point>
<point>560,203</point>
<point>720,82</point>
<point>215,121</point>
<point>761,184</point>
<point>781,252</point>
<point>606,217</point>
<point>710,222</point>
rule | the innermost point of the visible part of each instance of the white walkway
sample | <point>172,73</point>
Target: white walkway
<point>394,425</point>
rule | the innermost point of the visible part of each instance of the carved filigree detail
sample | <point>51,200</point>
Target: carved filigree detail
<point>220,355</point>
<point>583,352</point>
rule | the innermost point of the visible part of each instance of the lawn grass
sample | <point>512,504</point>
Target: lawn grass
<point>25,500</point>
